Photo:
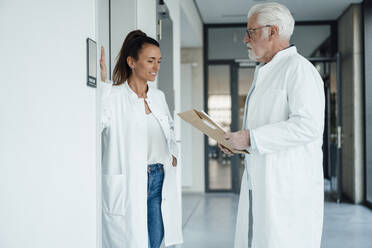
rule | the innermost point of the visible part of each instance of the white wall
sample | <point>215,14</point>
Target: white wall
<point>186,128</point>
<point>49,153</point>
<point>128,15</point>
<point>174,12</point>
<point>191,25</point>
<point>194,56</point>
<point>103,39</point>
<point>146,17</point>
<point>48,125</point>
<point>123,20</point>
<point>103,26</point>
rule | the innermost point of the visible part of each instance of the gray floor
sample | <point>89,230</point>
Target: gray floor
<point>209,221</point>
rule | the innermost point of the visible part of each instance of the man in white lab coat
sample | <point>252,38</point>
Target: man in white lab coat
<point>283,130</point>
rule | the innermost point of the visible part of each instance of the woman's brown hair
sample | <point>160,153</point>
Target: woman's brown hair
<point>131,47</point>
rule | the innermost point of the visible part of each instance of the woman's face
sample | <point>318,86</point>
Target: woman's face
<point>148,63</point>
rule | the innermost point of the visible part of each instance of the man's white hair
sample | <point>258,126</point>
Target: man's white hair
<point>274,14</point>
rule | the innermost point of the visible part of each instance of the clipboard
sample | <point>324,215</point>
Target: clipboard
<point>203,122</point>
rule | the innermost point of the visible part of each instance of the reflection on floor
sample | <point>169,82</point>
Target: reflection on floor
<point>209,222</point>
<point>347,226</point>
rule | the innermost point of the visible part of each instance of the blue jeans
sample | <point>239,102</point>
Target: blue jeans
<point>155,175</point>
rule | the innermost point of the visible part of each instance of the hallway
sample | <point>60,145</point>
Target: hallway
<point>209,222</point>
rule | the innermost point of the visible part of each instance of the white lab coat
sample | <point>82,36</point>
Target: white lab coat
<point>124,169</point>
<point>285,114</point>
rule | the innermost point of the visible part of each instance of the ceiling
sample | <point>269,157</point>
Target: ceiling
<point>235,11</point>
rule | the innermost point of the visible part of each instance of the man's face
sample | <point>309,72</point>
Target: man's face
<point>258,42</point>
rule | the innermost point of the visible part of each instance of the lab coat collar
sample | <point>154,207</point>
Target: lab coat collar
<point>133,95</point>
<point>279,56</point>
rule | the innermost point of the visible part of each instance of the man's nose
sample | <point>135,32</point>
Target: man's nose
<point>246,39</point>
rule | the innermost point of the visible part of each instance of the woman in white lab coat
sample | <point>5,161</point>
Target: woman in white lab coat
<point>141,202</point>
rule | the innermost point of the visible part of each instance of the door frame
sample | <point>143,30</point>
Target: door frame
<point>336,194</point>
<point>233,89</point>
<point>234,67</point>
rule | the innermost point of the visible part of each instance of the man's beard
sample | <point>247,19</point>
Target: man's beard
<point>252,55</point>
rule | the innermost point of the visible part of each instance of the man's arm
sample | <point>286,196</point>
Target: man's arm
<point>306,114</point>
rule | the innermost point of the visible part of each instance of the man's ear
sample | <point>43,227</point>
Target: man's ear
<point>274,32</point>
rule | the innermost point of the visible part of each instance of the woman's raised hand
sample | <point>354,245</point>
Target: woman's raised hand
<point>102,65</point>
<point>174,161</point>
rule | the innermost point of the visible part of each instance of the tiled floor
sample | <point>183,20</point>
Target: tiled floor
<point>209,222</point>
<point>347,226</point>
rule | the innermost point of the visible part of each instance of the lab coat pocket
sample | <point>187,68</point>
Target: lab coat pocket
<point>275,105</point>
<point>113,197</point>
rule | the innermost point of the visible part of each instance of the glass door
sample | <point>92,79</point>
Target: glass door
<point>218,168</point>
<point>245,80</point>
<point>332,138</point>
<point>228,86</point>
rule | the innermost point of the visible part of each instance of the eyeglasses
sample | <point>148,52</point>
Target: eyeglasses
<point>250,32</point>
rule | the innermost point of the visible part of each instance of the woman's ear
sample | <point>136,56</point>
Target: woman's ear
<point>130,62</point>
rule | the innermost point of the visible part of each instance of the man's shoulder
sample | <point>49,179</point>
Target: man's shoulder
<point>299,63</point>
<point>298,59</point>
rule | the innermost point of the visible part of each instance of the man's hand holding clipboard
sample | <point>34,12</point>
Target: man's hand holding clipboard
<point>203,122</point>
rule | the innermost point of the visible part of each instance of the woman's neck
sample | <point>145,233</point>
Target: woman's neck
<point>138,86</point>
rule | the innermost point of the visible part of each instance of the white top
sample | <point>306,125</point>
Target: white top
<point>157,149</point>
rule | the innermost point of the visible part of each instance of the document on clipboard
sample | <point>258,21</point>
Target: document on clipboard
<point>203,122</point>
